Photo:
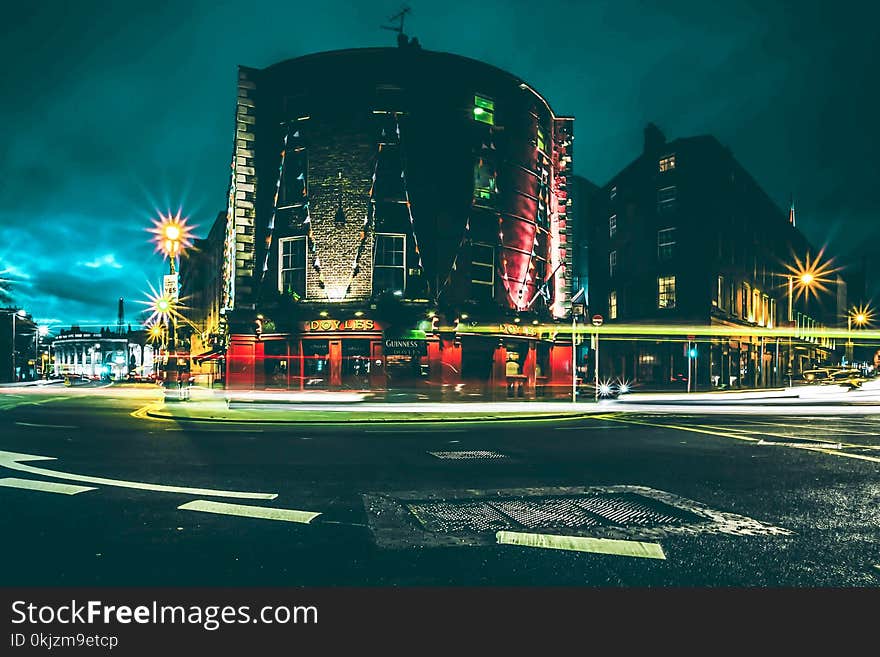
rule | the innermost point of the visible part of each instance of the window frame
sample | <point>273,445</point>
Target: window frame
<point>305,263</point>
<point>667,248</point>
<point>612,226</point>
<point>667,291</point>
<point>612,263</point>
<point>612,304</point>
<point>377,266</point>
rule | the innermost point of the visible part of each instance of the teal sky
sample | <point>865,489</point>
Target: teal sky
<point>116,111</point>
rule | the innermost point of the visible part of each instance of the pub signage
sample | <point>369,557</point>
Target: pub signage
<point>339,325</point>
<point>404,347</point>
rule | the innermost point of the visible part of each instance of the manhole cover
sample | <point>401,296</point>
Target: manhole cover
<point>548,512</point>
<point>473,516</point>
<point>465,455</point>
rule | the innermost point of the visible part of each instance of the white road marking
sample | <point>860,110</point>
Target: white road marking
<point>583,544</point>
<point>248,511</point>
<point>586,428</point>
<point>11,461</point>
<point>44,486</point>
<point>46,426</point>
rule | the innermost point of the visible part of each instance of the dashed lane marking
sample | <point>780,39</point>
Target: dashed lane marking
<point>583,544</point>
<point>12,461</point>
<point>44,486</point>
<point>248,511</point>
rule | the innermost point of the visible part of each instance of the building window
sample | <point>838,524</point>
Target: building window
<point>482,271</point>
<point>292,266</point>
<point>746,300</point>
<point>389,264</point>
<point>612,225</point>
<point>667,163</point>
<point>541,142</point>
<point>612,263</point>
<point>613,193</point>
<point>665,244</point>
<point>666,198</point>
<point>666,292</point>
<point>772,322</point>
<point>484,110</point>
<point>484,180</point>
<point>612,304</point>
<point>718,301</point>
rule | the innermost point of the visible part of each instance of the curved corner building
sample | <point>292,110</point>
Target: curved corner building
<point>396,216</point>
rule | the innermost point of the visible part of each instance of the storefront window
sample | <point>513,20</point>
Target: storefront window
<point>316,363</point>
<point>356,363</point>
<point>275,363</point>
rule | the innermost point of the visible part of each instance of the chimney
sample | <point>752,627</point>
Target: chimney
<point>655,140</point>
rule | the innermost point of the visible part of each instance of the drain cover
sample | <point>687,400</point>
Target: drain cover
<point>472,517</point>
<point>548,512</point>
<point>473,454</point>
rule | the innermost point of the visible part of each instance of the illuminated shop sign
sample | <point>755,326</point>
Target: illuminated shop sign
<point>516,329</point>
<point>339,325</point>
<point>404,347</point>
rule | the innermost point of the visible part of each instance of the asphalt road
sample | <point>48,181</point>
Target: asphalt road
<point>760,500</point>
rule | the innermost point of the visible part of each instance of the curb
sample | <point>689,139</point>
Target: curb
<point>556,416</point>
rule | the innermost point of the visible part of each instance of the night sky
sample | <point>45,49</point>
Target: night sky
<point>113,112</point>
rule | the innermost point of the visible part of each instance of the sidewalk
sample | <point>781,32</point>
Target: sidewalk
<point>367,412</point>
<point>31,384</point>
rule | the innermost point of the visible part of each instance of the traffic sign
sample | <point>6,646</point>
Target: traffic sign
<point>597,320</point>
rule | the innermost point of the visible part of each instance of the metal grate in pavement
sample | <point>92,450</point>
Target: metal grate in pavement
<point>582,511</point>
<point>472,454</point>
<point>548,512</point>
<point>633,510</point>
<point>467,516</point>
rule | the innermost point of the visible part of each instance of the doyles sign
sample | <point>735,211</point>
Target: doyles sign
<point>516,329</point>
<point>171,286</point>
<point>404,347</point>
<point>339,325</point>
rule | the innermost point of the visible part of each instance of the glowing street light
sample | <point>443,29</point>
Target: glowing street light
<point>171,234</point>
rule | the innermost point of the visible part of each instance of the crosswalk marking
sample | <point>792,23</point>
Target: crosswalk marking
<point>44,486</point>
<point>583,544</point>
<point>248,511</point>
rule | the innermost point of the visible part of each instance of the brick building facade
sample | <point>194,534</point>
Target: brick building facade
<point>396,217</point>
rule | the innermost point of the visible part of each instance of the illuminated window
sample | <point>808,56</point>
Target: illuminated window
<point>745,301</point>
<point>482,270</point>
<point>772,321</point>
<point>613,194</point>
<point>667,163</point>
<point>484,180</point>
<point>389,264</point>
<point>484,110</point>
<point>292,266</point>
<point>612,225</point>
<point>612,263</point>
<point>718,301</point>
<point>666,292</point>
<point>665,244</point>
<point>612,304</point>
<point>541,144</point>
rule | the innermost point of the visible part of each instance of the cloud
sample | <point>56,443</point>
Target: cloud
<point>108,260</point>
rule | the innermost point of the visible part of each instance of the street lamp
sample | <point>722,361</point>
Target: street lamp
<point>20,314</point>
<point>574,302</point>
<point>858,316</point>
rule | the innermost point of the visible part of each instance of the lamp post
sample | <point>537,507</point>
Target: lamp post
<point>574,302</point>
<point>860,318</point>
<point>805,279</point>
<point>17,314</point>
